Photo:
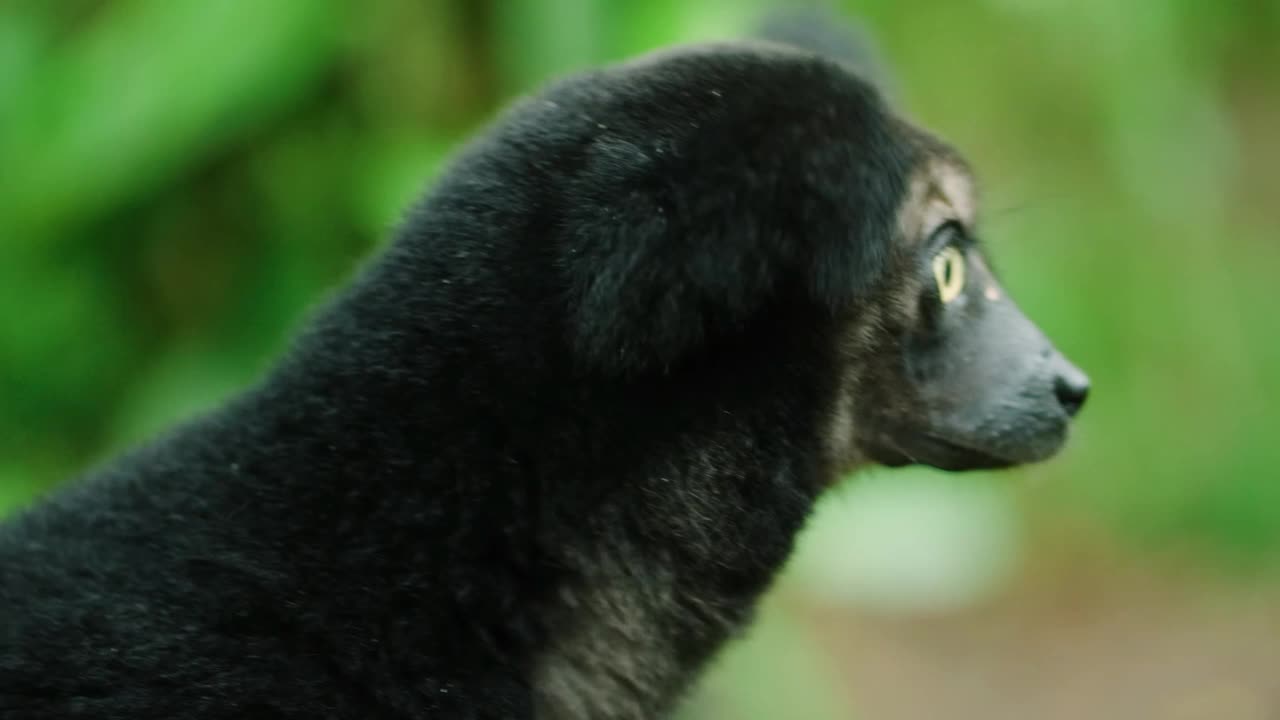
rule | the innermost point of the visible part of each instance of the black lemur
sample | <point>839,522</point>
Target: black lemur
<point>544,454</point>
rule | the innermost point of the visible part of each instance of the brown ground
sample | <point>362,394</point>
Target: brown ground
<point>1064,646</point>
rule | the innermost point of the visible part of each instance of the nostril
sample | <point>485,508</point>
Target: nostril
<point>1072,389</point>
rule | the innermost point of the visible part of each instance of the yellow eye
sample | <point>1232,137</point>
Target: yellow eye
<point>948,270</point>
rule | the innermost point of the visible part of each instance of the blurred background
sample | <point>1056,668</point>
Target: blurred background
<point>180,180</point>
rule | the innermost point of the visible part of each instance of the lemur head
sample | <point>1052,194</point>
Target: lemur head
<point>946,370</point>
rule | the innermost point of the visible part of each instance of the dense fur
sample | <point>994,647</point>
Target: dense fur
<point>544,454</point>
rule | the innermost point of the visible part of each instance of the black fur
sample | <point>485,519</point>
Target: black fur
<point>580,402</point>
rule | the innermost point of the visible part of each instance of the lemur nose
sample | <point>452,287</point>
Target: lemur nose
<point>1071,386</point>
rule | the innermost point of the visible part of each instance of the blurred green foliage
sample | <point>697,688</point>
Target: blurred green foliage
<point>180,180</point>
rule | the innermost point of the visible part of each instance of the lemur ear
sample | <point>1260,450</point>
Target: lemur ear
<point>664,258</point>
<point>830,33</point>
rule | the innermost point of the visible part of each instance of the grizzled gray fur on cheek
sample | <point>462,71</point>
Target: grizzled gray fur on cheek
<point>540,458</point>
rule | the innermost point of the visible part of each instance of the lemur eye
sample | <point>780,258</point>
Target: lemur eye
<point>948,271</point>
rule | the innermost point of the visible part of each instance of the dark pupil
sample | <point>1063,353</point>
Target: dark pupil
<point>946,272</point>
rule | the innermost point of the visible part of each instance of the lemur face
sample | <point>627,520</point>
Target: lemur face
<point>958,377</point>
